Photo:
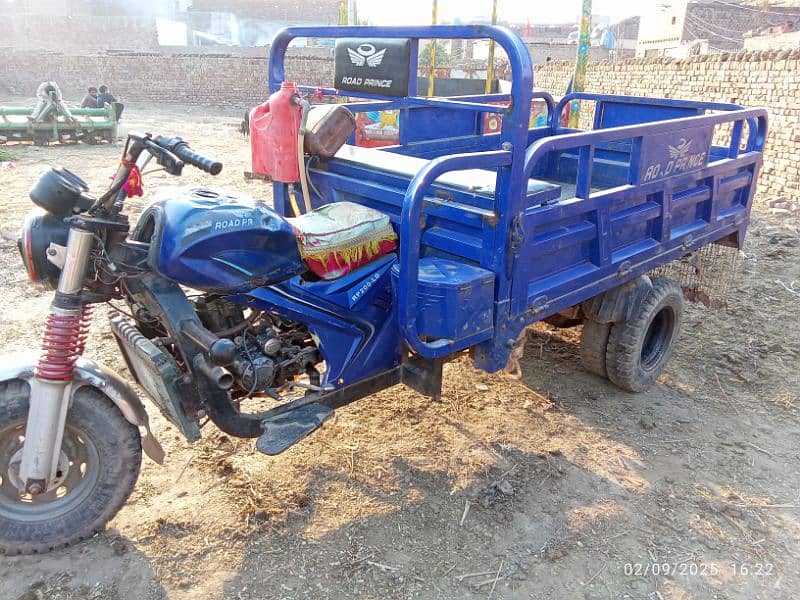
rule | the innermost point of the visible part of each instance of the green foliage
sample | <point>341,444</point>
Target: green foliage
<point>5,155</point>
<point>442,55</point>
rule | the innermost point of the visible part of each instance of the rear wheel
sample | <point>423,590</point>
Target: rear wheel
<point>98,467</point>
<point>638,349</point>
<point>594,340</point>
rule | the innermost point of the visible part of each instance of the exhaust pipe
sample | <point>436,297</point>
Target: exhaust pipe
<point>222,351</point>
<point>221,378</point>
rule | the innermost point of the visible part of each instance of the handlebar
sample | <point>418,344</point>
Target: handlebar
<point>170,152</point>
<point>180,148</point>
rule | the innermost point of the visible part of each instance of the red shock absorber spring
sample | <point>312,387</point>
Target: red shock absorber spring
<point>62,343</point>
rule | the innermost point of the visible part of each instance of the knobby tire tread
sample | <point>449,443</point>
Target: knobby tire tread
<point>120,453</point>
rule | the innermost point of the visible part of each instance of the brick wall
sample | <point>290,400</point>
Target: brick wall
<point>770,79</point>
<point>235,80</point>
<point>540,52</point>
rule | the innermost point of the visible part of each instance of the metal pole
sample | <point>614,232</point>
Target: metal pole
<point>490,68</point>
<point>579,79</point>
<point>352,12</point>
<point>432,65</point>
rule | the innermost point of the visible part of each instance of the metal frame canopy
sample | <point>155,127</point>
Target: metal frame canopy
<point>516,116</point>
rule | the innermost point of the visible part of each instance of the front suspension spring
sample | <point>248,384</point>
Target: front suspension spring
<point>63,342</point>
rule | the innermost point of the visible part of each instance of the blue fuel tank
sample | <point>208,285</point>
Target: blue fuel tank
<point>215,241</point>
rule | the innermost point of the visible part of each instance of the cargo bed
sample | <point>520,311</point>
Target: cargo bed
<point>556,215</point>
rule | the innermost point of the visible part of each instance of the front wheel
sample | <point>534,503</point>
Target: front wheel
<point>99,463</point>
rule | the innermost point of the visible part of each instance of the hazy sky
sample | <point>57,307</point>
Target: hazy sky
<point>418,12</point>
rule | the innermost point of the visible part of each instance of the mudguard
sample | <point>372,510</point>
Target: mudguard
<point>89,373</point>
<point>618,303</point>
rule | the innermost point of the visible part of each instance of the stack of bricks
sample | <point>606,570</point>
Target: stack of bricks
<point>769,79</point>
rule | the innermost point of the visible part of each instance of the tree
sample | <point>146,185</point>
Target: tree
<point>442,55</point>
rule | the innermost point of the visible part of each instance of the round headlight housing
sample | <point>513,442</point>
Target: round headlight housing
<point>39,230</point>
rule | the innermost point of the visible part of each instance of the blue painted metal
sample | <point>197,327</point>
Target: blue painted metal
<point>466,291</point>
<point>209,242</point>
<point>410,239</point>
<point>354,319</point>
<point>648,184</point>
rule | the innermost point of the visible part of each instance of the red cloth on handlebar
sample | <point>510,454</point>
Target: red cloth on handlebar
<point>133,186</point>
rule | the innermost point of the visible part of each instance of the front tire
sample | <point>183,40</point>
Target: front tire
<point>101,454</point>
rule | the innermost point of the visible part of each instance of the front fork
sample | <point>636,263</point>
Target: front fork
<point>62,344</point>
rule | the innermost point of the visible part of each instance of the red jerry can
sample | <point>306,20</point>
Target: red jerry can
<point>274,127</point>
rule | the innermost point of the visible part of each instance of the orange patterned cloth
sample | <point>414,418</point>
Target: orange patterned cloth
<point>338,238</point>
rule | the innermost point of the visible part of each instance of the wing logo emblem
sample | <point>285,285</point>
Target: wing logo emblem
<point>366,54</point>
<point>681,150</point>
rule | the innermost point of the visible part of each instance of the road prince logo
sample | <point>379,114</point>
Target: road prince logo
<point>673,153</point>
<point>680,160</point>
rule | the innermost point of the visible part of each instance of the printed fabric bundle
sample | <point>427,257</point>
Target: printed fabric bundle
<point>338,238</point>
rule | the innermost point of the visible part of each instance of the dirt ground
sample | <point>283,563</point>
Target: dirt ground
<point>554,487</point>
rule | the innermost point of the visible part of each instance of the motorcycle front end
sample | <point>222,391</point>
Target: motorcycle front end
<point>72,432</point>
<point>259,347</point>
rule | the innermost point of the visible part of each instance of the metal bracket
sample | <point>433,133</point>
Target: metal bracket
<point>423,376</point>
<point>56,254</point>
<point>517,236</point>
<point>515,239</point>
<point>538,306</point>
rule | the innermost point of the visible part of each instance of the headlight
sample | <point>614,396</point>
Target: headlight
<point>39,230</point>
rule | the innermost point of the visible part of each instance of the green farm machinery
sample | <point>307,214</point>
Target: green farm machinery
<point>52,121</point>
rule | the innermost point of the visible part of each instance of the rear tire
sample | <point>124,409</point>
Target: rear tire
<point>638,349</point>
<point>102,455</point>
<point>594,340</point>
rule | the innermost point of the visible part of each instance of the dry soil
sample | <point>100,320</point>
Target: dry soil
<point>557,486</point>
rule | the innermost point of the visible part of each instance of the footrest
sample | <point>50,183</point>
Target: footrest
<point>285,430</point>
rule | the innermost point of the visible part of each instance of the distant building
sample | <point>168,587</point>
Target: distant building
<point>545,34</point>
<point>164,22</point>
<point>559,42</point>
<point>295,11</point>
<point>701,26</point>
<point>786,35</point>
<point>626,33</point>
<point>254,22</point>
<point>92,8</point>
